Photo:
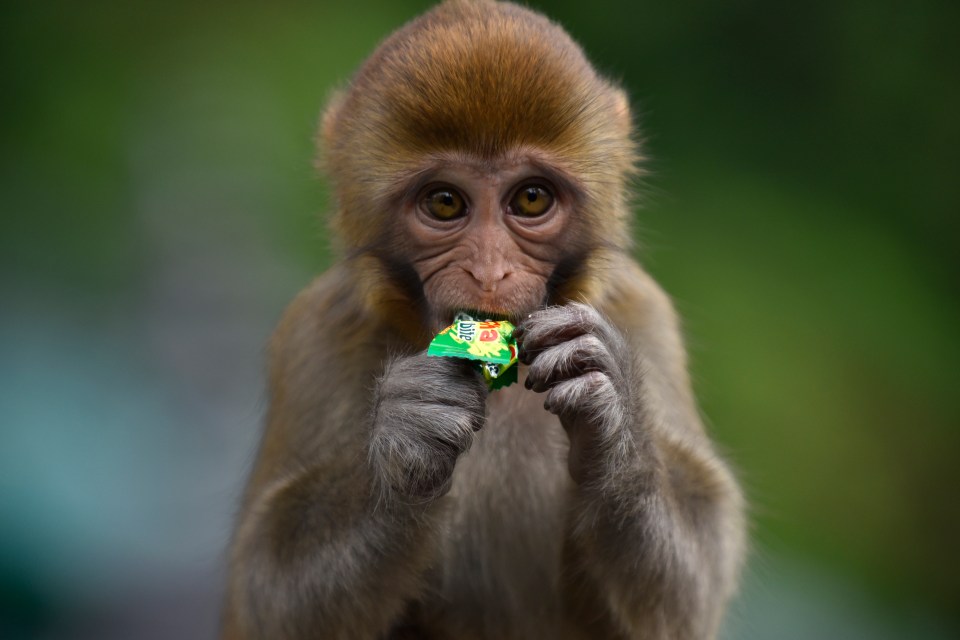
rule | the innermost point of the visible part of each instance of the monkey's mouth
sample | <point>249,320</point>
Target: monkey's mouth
<point>480,314</point>
<point>452,315</point>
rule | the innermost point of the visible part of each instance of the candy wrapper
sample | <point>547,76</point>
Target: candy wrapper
<point>489,342</point>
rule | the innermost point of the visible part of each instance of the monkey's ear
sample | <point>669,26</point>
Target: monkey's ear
<point>328,121</point>
<point>621,111</point>
<point>325,132</point>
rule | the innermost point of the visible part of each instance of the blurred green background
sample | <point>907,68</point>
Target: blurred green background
<point>160,208</point>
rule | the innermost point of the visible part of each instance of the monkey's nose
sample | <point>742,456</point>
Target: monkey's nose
<point>489,275</point>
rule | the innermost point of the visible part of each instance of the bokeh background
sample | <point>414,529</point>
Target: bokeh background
<point>159,209</point>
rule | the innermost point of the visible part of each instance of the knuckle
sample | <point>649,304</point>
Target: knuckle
<point>464,428</point>
<point>545,361</point>
<point>563,397</point>
<point>594,352</point>
<point>583,313</point>
<point>542,322</point>
<point>592,344</point>
<point>438,367</point>
<point>540,371</point>
<point>595,381</point>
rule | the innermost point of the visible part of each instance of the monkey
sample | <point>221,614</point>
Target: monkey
<point>479,162</point>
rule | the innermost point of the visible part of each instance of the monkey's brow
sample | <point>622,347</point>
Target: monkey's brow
<point>561,180</point>
<point>409,185</point>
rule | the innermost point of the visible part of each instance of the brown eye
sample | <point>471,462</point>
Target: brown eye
<point>531,201</point>
<point>444,204</point>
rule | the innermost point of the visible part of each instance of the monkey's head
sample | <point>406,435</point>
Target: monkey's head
<point>478,161</point>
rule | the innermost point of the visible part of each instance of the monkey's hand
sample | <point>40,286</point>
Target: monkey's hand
<point>426,411</point>
<point>581,361</point>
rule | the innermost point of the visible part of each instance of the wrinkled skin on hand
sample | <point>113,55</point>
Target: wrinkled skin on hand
<point>580,361</point>
<point>425,414</point>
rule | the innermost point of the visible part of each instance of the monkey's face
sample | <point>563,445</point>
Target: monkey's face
<point>487,236</point>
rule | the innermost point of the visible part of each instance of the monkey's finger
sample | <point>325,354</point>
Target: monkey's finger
<point>591,395</point>
<point>450,426</point>
<point>450,381</point>
<point>554,325</point>
<point>453,369</point>
<point>568,360</point>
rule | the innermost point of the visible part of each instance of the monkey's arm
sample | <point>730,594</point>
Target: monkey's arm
<point>313,555</point>
<point>656,528</point>
<point>327,544</point>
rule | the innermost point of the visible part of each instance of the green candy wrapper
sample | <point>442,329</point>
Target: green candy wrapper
<point>489,342</point>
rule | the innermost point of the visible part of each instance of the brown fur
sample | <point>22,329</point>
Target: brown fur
<point>642,537</point>
<point>490,78</point>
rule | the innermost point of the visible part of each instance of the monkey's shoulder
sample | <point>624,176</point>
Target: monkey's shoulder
<point>326,332</point>
<point>323,358</point>
<point>636,302</point>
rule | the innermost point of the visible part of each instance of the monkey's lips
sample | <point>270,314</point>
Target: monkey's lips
<point>446,317</point>
<point>482,314</point>
<point>495,314</point>
<point>511,301</point>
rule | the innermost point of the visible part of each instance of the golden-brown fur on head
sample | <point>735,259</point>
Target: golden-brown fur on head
<point>485,78</point>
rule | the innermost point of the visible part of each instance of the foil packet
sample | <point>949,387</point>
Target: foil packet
<point>488,342</point>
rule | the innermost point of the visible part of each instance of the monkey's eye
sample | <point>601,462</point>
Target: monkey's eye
<point>531,201</point>
<point>444,204</point>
